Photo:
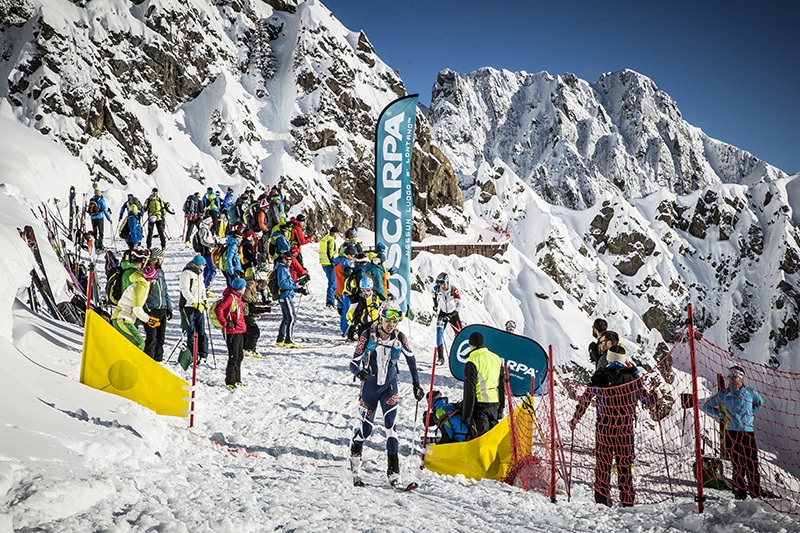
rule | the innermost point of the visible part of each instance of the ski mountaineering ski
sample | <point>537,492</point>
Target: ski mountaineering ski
<point>40,278</point>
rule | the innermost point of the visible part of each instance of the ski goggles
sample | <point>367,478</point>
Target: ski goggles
<point>391,315</point>
<point>736,372</point>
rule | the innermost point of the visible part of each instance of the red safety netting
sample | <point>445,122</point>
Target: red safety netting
<point>640,442</point>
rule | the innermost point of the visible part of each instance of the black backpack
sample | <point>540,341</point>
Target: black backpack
<point>272,284</point>
<point>125,230</point>
<point>196,244</point>
<point>113,278</point>
<point>191,207</point>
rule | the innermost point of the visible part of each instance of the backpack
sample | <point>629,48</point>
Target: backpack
<point>196,244</point>
<point>212,313</point>
<point>218,257</point>
<point>125,230</point>
<point>93,208</point>
<point>191,207</point>
<point>114,284</point>
<point>272,284</point>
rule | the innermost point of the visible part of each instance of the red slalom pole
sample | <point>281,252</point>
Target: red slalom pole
<point>428,412</point>
<point>194,381</point>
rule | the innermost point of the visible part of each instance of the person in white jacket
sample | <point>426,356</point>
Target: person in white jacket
<point>131,304</point>
<point>193,305</point>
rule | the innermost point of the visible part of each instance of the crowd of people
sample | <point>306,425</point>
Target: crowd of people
<point>258,249</point>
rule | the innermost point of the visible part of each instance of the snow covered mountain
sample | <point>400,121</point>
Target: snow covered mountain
<point>224,93</point>
<point>614,205</point>
<point>630,210</point>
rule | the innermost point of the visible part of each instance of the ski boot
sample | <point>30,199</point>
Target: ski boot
<point>355,464</point>
<point>393,472</point>
<point>440,354</point>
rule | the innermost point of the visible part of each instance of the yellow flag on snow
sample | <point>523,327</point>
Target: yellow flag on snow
<point>485,457</point>
<point>112,364</point>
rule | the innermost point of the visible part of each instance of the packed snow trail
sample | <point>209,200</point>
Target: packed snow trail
<point>271,456</point>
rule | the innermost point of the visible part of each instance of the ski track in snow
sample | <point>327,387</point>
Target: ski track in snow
<point>272,456</point>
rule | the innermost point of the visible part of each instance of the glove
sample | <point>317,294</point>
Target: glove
<point>200,306</point>
<point>239,274</point>
<point>419,394</point>
<point>362,375</point>
<point>153,322</point>
<point>169,314</point>
<point>303,290</point>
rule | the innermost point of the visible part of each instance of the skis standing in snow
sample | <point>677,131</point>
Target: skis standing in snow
<point>375,363</point>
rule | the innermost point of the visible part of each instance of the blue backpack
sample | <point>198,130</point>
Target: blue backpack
<point>447,417</point>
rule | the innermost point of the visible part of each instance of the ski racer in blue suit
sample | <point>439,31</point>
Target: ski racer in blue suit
<point>375,363</point>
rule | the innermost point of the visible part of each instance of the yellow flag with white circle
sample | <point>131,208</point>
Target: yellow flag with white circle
<point>112,364</point>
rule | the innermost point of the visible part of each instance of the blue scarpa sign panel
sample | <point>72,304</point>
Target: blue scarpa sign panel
<point>394,143</point>
<point>526,359</point>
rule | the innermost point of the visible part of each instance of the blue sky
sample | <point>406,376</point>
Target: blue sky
<point>732,67</point>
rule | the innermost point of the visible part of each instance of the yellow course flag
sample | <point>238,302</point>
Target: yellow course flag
<point>112,364</point>
<point>486,457</point>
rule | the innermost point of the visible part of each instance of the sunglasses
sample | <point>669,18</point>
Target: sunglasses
<point>392,315</point>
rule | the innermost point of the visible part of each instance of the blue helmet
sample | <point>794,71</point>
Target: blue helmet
<point>366,284</point>
<point>380,247</point>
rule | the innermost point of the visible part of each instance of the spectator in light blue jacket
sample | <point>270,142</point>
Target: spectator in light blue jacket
<point>287,287</point>
<point>233,263</point>
<point>97,210</point>
<point>736,406</point>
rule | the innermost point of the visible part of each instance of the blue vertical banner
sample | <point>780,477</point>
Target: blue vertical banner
<point>394,204</point>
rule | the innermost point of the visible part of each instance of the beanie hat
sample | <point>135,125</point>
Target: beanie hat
<point>238,284</point>
<point>476,339</point>
<point>199,260</point>
<point>156,253</point>
<point>334,229</point>
<point>617,354</point>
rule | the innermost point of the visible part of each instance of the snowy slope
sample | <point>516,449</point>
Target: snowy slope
<point>271,456</point>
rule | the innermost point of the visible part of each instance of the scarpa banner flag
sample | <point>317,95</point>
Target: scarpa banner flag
<point>394,206</point>
<point>526,359</point>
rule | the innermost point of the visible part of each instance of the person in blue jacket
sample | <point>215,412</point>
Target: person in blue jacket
<point>736,405</point>
<point>287,287</point>
<point>98,210</point>
<point>233,263</point>
<point>375,363</point>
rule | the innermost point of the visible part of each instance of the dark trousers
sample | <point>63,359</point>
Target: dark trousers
<point>743,453</point>
<point>252,334</point>
<point>195,322</point>
<point>484,417</point>
<point>159,224</point>
<point>614,443</point>
<point>235,344</point>
<point>97,229</point>
<point>154,337</point>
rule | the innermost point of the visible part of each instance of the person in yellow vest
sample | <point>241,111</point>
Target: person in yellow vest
<point>327,253</point>
<point>484,394</point>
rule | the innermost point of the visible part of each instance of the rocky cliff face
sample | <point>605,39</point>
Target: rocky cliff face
<point>266,89</point>
<point>652,214</point>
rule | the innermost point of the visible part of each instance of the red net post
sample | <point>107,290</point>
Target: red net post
<point>698,454</point>
<point>89,286</point>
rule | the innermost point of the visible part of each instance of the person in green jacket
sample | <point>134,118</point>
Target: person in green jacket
<point>484,394</point>
<point>135,287</point>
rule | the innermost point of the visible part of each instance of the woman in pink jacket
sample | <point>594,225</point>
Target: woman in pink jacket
<point>230,313</point>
